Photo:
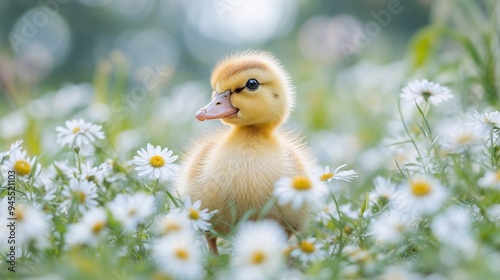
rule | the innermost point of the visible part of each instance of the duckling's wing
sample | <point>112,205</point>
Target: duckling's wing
<point>298,152</point>
<point>194,157</point>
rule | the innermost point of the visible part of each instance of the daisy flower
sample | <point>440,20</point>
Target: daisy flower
<point>263,259</point>
<point>423,90</point>
<point>155,162</point>
<point>490,180</point>
<point>22,165</point>
<point>384,189</point>
<point>78,133</point>
<point>396,272</point>
<point>179,256</point>
<point>174,222</point>
<point>326,213</point>
<point>89,229</point>
<point>453,227</point>
<point>493,213</point>
<point>345,175</point>
<point>458,138</point>
<point>298,191</point>
<point>89,172</point>
<point>358,255</point>
<point>199,218</point>
<point>390,227</point>
<point>31,223</point>
<point>422,196</point>
<point>308,250</point>
<point>485,122</point>
<point>14,148</point>
<point>82,193</point>
<point>131,210</point>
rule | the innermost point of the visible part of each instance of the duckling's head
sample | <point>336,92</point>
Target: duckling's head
<point>249,88</point>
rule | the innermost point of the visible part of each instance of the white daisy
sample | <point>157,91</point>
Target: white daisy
<point>422,196</point>
<point>14,148</point>
<point>174,222</point>
<point>155,162</point>
<point>423,90</point>
<point>397,272</point>
<point>179,256</point>
<point>326,213</point>
<point>390,227</point>
<point>493,213</point>
<point>458,138</point>
<point>199,218</point>
<point>131,210</point>
<point>89,229</point>
<point>308,250</point>
<point>81,194</point>
<point>258,249</point>
<point>299,191</point>
<point>22,165</point>
<point>384,189</point>
<point>345,175</point>
<point>31,223</point>
<point>453,227</point>
<point>491,179</point>
<point>78,133</point>
<point>358,255</point>
<point>486,122</point>
<point>90,172</point>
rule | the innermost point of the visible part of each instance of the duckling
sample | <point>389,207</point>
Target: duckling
<point>234,170</point>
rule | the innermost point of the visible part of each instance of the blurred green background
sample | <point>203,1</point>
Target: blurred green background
<point>142,68</point>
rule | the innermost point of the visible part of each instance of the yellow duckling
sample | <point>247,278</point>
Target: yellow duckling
<point>234,170</point>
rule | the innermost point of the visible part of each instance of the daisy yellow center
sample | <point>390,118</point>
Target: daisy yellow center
<point>301,183</point>
<point>98,227</point>
<point>80,196</point>
<point>194,214</point>
<point>307,247</point>
<point>400,228</point>
<point>132,212</point>
<point>76,130</point>
<point>426,94</point>
<point>22,167</point>
<point>420,188</point>
<point>157,161</point>
<point>169,227</point>
<point>182,254</point>
<point>464,139</point>
<point>19,214</point>
<point>497,176</point>
<point>258,257</point>
<point>325,177</point>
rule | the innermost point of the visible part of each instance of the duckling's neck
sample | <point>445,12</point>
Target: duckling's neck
<point>251,134</point>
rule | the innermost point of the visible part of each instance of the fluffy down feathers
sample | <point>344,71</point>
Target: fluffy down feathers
<point>234,170</point>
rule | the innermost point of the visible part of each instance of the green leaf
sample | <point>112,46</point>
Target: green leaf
<point>421,47</point>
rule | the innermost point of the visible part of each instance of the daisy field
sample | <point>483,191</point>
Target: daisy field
<point>399,102</point>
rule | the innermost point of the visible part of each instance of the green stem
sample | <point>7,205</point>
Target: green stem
<point>154,187</point>
<point>407,130</point>
<point>77,151</point>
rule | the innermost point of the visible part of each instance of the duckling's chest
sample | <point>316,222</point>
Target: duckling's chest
<point>245,170</point>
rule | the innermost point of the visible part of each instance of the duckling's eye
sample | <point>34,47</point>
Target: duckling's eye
<point>252,84</point>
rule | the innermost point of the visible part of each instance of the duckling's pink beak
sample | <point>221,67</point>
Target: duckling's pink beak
<point>220,107</point>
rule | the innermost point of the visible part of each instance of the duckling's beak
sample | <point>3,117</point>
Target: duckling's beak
<point>220,107</point>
